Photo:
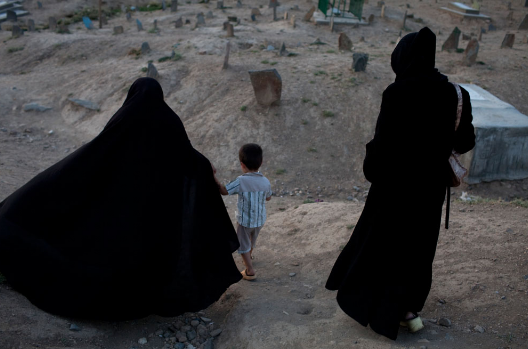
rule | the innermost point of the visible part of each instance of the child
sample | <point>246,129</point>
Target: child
<point>253,190</point>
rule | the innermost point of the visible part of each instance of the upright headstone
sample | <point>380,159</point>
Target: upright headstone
<point>129,16</point>
<point>239,4</point>
<point>87,23</point>
<point>344,42</point>
<point>52,23</point>
<point>526,3</point>
<point>104,20</point>
<point>285,16</point>
<point>256,12</point>
<point>253,18</point>
<point>174,5</point>
<point>11,16</point>
<point>230,30</point>
<point>282,51</point>
<point>524,23</point>
<point>39,5</point>
<point>200,18</point>
<point>139,25</point>
<point>267,85</point>
<point>31,25</point>
<point>178,23</point>
<point>470,54</point>
<point>163,5</point>
<point>508,41</point>
<point>383,11</point>
<point>292,21</point>
<point>118,30</point>
<point>359,61</point>
<point>309,14</point>
<point>209,15</point>
<point>156,24</point>
<point>152,72</point>
<point>220,4</point>
<point>404,20</point>
<point>145,48</point>
<point>452,41</point>
<point>226,59</point>
<point>274,4</point>
<point>16,31</point>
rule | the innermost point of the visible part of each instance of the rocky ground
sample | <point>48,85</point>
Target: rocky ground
<point>480,280</point>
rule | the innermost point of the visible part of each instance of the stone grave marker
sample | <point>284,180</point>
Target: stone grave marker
<point>359,61</point>
<point>309,14</point>
<point>11,16</point>
<point>371,19</point>
<point>52,23</point>
<point>508,41</point>
<point>383,7</point>
<point>526,3</point>
<point>139,25</point>
<point>119,30</point>
<point>292,21</point>
<point>267,85</point>
<point>344,42</point>
<point>152,72</point>
<point>178,23</point>
<point>174,6</point>
<point>31,25</point>
<point>16,32</point>
<point>226,59</point>
<point>104,20</point>
<point>209,15</point>
<point>253,18</point>
<point>256,12</point>
<point>282,51</point>
<point>220,4</point>
<point>470,54</point>
<point>404,20</point>
<point>156,24</point>
<point>230,30</point>
<point>239,4</point>
<point>87,23</point>
<point>163,5</point>
<point>36,107</point>
<point>451,44</point>
<point>200,18</point>
<point>524,23</point>
<point>39,5</point>
<point>145,48</point>
<point>129,16</point>
<point>285,16</point>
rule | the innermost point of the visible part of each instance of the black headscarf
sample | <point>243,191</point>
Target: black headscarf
<point>414,56</point>
<point>130,224</point>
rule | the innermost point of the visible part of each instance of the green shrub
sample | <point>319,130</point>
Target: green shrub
<point>328,113</point>
<point>15,49</point>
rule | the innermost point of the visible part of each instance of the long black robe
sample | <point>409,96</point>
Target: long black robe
<point>130,224</point>
<point>385,269</point>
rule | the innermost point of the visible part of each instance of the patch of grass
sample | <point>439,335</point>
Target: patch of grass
<point>144,69</point>
<point>177,56</point>
<point>243,108</point>
<point>393,42</point>
<point>459,50</point>
<point>292,54</point>
<point>164,59</point>
<point>308,201</point>
<point>350,226</point>
<point>315,104</point>
<point>280,171</point>
<point>328,113</point>
<point>304,122</point>
<point>305,100</point>
<point>320,72</point>
<point>520,202</point>
<point>273,63</point>
<point>15,49</point>
<point>152,31</point>
<point>153,6</point>
<point>331,51</point>
<point>312,150</point>
<point>312,82</point>
<point>481,63</point>
<point>265,62</point>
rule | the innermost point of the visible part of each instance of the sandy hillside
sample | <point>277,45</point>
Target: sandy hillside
<point>481,259</point>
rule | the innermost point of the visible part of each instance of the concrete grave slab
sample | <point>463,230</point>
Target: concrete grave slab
<point>462,10</point>
<point>501,139</point>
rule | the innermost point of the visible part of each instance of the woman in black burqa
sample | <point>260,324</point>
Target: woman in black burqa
<point>130,224</point>
<point>384,273</point>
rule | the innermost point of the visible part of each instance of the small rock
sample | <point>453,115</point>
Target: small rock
<point>423,340</point>
<point>503,297</point>
<point>191,334</point>
<point>292,274</point>
<point>179,346</point>
<point>74,327</point>
<point>270,48</point>
<point>159,333</point>
<point>35,107</point>
<point>442,301</point>
<point>208,344</point>
<point>182,338</point>
<point>444,322</point>
<point>85,104</point>
<point>195,323</point>
<point>479,329</point>
<point>206,319</point>
<point>186,328</point>
<point>142,341</point>
<point>216,332</point>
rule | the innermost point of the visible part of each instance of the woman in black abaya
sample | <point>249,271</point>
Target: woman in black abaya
<point>130,224</point>
<point>383,276</point>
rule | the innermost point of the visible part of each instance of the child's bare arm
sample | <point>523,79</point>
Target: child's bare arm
<point>221,187</point>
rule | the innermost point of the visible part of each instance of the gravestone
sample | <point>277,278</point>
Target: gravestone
<point>526,3</point>
<point>267,85</point>
<point>156,24</point>
<point>359,61</point>
<point>178,23</point>
<point>174,5</point>
<point>230,30</point>
<point>163,5</point>
<point>200,18</point>
<point>187,21</point>
<point>371,19</point>
<point>492,28</point>
<point>16,32</point>
<point>145,48</point>
<point>256,12</point>
<point>508,41</point>
<point>209,15</point>
<point>31,25</point>
<point>87,23</point>
<point>11,16</point>
<point>309,14</point>
<point>220,4</point>
<point>275,4</point>
<point>139,25</point>
<point>104,20</point>
<point>118,30</point>
<point>344,42</point>
<point>226,59</point>
<point>524,23</point>
<point>253,18</point>
<point>451,43</point>
<point>239,4</point>
<point>292,21</point>
<point>285,16</point>
<point>383,11</point>
<point>52,23</point>
<point>470,54</point>
<point>282,51</point>
<point>152,72</point>
<point>39,5</point>
<point>36,107</point>
<point>404,20</point>
<point>128,16</point>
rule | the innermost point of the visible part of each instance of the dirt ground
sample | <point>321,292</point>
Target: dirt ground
<point>481,267</point>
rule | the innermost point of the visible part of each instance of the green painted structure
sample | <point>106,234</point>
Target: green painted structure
<point>354,6</point>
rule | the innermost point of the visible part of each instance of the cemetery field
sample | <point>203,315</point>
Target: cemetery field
<point>313,143</point>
